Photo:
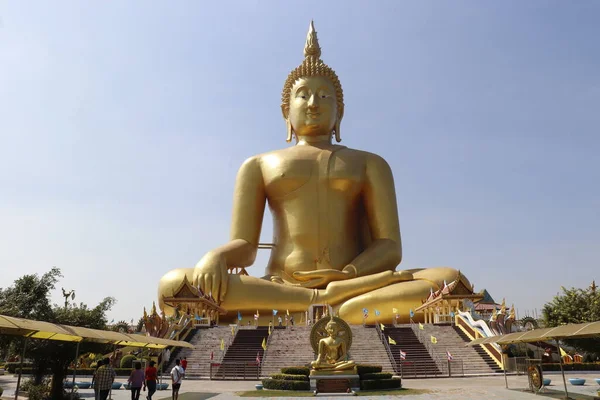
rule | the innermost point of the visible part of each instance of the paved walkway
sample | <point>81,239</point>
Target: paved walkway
<point>469,388</point>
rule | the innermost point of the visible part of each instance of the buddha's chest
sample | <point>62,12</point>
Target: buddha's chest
<point>324,170</point>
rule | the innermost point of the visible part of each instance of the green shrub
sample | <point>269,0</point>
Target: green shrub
<point>1,390</point>
<point>36,392</point>
<point>366,368</point>
<point>127,361</point>
<point>289,377</point>
<point>380,384</point>
<point>295,370</point>
<point>12,366</point>
<point>376,376</point>
<point>281,384</point>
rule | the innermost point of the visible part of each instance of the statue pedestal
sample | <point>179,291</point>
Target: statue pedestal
<point>328,382</point>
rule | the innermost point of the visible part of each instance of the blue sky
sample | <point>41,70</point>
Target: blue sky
<point>122,126</point>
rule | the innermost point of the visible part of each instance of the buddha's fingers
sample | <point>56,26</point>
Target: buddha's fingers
<point>314,283</point>
<point>224,282</point>
<point>207,284</point>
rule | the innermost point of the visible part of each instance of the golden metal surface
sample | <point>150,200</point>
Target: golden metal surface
<point>336,236</point>
<point>332,350</point>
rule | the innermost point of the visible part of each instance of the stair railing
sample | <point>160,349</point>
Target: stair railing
<point>265,351</point>
<point>388,349</point>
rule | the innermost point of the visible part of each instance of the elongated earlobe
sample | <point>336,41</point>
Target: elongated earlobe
<point>288,126</point>
<point>338,137</point>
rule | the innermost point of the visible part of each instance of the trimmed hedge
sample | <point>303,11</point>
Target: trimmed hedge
<point>376,376</point>
<point>572,367</point>
<point>80,372</point>
<point>295,371</point>
<point>367,369</point>
<point>127,361</point>
<point>12,366</point>
<point>379,384</point>
<point>289,377</point>
<point>282,384</point>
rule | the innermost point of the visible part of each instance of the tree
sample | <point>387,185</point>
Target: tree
<point>575,306</point>
<point>29,298</point>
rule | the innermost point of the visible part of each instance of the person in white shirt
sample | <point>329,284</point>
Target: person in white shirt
<point>177,374</point>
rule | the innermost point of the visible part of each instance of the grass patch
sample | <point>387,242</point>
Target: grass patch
<point>275,393</point>
<point>394,392</point>
<point>292,393</point>
<point>190,396</point>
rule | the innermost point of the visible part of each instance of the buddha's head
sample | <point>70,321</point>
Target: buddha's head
<point>332,327</point>
<point>312,101</point>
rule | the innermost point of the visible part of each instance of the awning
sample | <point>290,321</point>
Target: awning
<point>35,329</point>
<point>570,331</point>
<point>47,330</point>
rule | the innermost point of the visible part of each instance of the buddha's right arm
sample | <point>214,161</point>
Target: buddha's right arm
<point>248,208</point>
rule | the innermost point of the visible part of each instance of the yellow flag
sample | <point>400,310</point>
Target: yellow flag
<point>421,327</point>
<point>392,341</point>
<point>232,331</point>
<point>257,314</point>
<point>269,329</point>
<point>382,326</point>
<point>562,352</point>
<point>264,344</point>
<point>395,310</point>
<point>287,312</point>
<point>222,344</point>
<point>433,340</point>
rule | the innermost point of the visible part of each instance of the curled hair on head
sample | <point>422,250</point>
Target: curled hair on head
<point>312,66</point>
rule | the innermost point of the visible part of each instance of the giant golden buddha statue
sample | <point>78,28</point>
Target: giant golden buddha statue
<point>336,237</point>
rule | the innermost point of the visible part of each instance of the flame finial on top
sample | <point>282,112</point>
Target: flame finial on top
<point>312,48</point>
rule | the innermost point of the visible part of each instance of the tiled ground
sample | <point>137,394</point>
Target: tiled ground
<point>469,388</point>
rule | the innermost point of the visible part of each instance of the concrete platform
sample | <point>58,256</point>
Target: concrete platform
<point>469,388</point>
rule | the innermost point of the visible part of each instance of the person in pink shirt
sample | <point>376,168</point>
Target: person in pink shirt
<point>136,381</point>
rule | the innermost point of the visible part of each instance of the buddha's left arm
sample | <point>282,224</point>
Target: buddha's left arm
<point>384,252</point>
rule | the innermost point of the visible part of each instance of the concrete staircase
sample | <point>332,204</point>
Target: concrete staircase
<point>466,360</point>
<point>418,362</point>
<point>367,347</point>
<point>240,358</point>
<point>205,341</point>
<point>287,348</point>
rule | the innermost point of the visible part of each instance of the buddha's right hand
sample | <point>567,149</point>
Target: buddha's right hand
<point>210,274</point>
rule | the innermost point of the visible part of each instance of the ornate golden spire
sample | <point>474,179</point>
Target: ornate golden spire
<point>312,48</point>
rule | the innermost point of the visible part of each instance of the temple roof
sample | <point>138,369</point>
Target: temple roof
<point>458,288</point>
<point>187,293</point>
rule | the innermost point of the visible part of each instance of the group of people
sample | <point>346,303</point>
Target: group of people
<point>138,380</point>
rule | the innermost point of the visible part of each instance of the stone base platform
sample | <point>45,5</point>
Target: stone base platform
<point>335,383</point>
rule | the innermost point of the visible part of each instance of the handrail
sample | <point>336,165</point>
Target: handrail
<point>441,361</point>
<point>265,351</point>
<point>388,349</point>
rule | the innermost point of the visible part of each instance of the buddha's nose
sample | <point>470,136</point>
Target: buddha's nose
<point>313,101</point>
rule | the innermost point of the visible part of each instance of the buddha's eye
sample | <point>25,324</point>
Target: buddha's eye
<point>324,95</point>
<point>301,94</point>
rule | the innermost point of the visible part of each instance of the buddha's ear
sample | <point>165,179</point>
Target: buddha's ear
<point>338,137</point>
<point>288,125</point>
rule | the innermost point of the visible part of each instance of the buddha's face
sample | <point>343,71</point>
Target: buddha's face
<point>331,329</point>
<point>313,106</point>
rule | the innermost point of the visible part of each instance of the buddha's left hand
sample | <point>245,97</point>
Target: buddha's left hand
<point>320,278</point>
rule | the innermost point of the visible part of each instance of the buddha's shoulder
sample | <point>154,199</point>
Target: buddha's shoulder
<point>366,157</point>
<point>290,153</point>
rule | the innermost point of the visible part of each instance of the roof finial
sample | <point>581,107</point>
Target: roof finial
<point>311,48</point>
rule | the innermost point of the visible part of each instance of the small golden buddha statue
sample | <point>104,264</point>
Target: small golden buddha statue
<point>336,231</point>
<point>332,351</point>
